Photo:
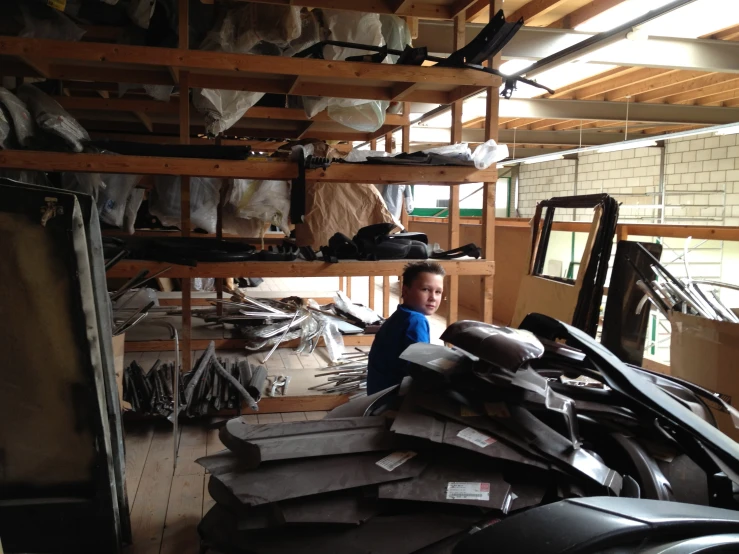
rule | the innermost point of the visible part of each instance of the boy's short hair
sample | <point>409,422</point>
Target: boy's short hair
<point>412,270</point>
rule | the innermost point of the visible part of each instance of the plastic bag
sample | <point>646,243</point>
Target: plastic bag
<point>164,202</point>
<point>460,151</point>
<point>488,153</point>
<point>204,284</point>
<point>269,201</point>
<point>20,117</point>
<point>51,117</point>
<point>362,313</point>
<point>310,34</point>
<point>409,200</point>
<point>141,11</point>
<point>396,33</point>
<point>88,183</point>
<point>4,130</point>
<point>331,335</point>
<point>132,209</point>
<point>112,199</point>
<point>393,197</point>
<point>367,116</point>
<point>223,108</point>
<point>362,155</point>
<point>137,298</point>
<point>245,26</point>
<point>42,21</point>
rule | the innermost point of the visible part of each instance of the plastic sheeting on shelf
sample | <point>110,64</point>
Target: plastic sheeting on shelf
<point>164,202</point>
<point>51,117</point>
<point>115,196</point>
<point>19,115</point>
<point>267,201</point>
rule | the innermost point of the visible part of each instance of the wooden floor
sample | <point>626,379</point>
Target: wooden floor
<point>166,505</point>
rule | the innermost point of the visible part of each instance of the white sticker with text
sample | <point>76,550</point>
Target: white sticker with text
<point>468,491</point>
<point>475,437</point>
<point>396,459</point>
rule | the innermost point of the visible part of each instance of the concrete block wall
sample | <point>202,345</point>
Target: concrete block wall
<point>541,181</point>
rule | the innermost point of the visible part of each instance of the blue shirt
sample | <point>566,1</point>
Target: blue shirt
<point>385,368</point>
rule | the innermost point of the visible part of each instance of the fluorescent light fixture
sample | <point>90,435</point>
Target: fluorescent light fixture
<point>728,131</point>
<point>542,159</point>
<point>626,145</point>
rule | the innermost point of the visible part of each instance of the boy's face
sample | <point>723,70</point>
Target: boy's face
<point>424,294</point>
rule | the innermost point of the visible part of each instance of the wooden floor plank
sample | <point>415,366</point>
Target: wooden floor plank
<point>193,441</point>
<point>315,415</point>
<point>138,441</point>
<point>293,416</point>
<point>269,418</point>
<point>184,513</point>
<point>290,359</point>
<point>150,510</point>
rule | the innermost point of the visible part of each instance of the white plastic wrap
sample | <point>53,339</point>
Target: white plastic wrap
<point>396,33</point>
<point>204,284</point>
<point>240,190</point>
<point>223,108</point>
<point>113,198</point>
<point>157,92</point>
<point>19,116</point>
<point>88,183</point>
<point>141,11</point>
<point>248,24</point>
<point>331,335</point>
<point>363,28</point>
<point>461,151</point>
<point>4,129</point>
<point>164,202</point>
<point>268,201</point>
<point>362,155</point>
<point>137,298</point>
<point>51,117</point>
<point>132,208</point>
<point>310,34</point>
<point>488,153</point>
<point>393,197</point>
<point>362,313</point>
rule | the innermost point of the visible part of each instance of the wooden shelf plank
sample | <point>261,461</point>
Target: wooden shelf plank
<point>152,65</point>
<point>254,168</point>
<point>232,344</point>
<point>129,268</point>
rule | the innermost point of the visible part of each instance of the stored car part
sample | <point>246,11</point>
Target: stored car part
<point>599,524</point>
<point>254,444</point>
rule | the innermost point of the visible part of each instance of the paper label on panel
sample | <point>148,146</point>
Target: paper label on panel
<point>468,491</point>
<point>475,437</point>
<point>396,459</point>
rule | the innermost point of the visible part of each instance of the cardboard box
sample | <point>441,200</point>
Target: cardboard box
<point>706,352</point>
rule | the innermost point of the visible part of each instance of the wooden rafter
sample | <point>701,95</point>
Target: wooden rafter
<point>568,91</point>
<point>729,84</point>
<point>661,81</point>
<point>534,9</point>
<point>630,78</point>
<point>658,95</point>
<point>585,13</point>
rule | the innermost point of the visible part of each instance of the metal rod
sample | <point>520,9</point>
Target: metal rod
<point>176,396</point>
<point>287,329</point>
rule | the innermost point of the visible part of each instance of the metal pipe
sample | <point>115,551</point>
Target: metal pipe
<point>287,329</point>
<point>176,397</point>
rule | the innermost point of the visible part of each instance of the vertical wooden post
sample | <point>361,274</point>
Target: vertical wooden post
<point>341,283</point>
<point>406,147</point>
<point>452,292</point>
<point>185,222</point>
<point>488,196</point>
<point>386,296</point>
<point>371,292</point>
<point>219,235</point>
<point>373,144</point>
<point>349,286</point>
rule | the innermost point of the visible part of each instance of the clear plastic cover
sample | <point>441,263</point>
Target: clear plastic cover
<point>132,208</point>
<point>223,108</point>
<point>88,183</point>
<point>51,117</point>
<point>141,11</point>
<point>488,153</point>
<point>204,284</point>
<point>164,202</point>
<point>362,155</point>
<point>362,313</point>
<point>330,334</point>
<point>268,201</point>
<point>396,33</point>
<point>4,130</point>
<point>20,117</point>
<point>461,151</point>
<point>113,198</point>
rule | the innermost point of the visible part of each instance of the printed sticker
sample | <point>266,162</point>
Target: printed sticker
<point>57,4</point>
<point>475,437</point>
<point>442,363</point>
<point>468,491</point>
<point>396,459</point>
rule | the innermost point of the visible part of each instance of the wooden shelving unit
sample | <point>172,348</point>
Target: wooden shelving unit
<point>98,67</point>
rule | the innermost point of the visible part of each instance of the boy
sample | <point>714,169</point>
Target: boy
<point>423,285</point>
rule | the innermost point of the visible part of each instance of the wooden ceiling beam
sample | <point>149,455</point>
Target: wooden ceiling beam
<point>476,8</point>
<point>585,13</point>
<point>660,94</point>
<point>662,81</point>
<point>533,9</point>
<point>701,92</point>
<point>636,76</point>
<point>729,33</point>
<point>567,92</point>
